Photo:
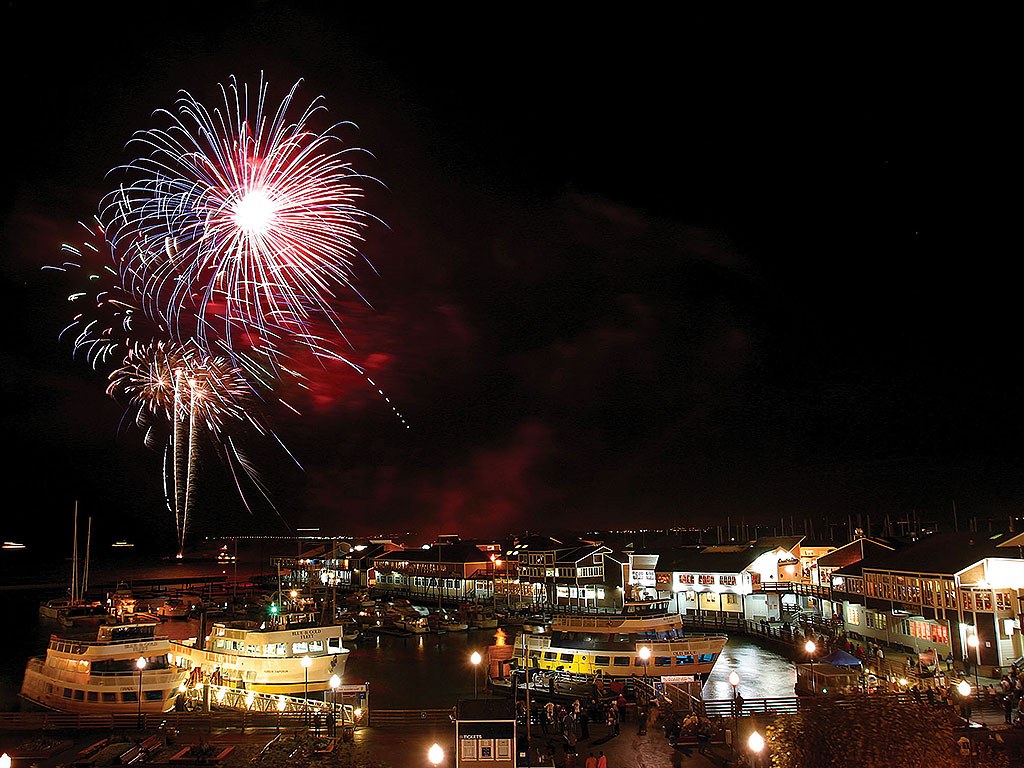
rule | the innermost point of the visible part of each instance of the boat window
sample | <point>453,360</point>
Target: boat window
<point>637,661</point>
<point>706,658</point>
<point>565,657</point>
<point>663,661</point>
<point>534,654</point>
<point>129,696</point>
<point>622,661</point>
<point>67,693</point>
<point>334,644</point>
<point>154,695</point>
<point>92,696</point>
<point>316,646</point>
<point>685,658</point>
<point>79,695</point>
<point>550,655</point>
<point>603,661</point>
<point>107,697</point>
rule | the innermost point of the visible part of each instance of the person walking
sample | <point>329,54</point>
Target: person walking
<point>591,761</point>
<point>1008,708</point>
<point>602,761</point>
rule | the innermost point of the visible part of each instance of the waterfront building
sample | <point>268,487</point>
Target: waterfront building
<point>337,563</point>
<point>847,555</point>
<point>570,573</point>
<point>937,593</point>
<point>752,580</point>
<point>452,573</point>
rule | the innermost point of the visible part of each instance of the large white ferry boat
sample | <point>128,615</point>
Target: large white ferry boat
<point>269,657</point>
<point>645,640</point>
<point>103,675</point>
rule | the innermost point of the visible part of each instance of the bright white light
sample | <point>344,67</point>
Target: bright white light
<point>645,653</point>
<point>254,213</point>
<point>475,658</point>
<point>435,754</point>
<point>335,681</point>
<point>140,663</point>
<point>755,742</point>
<point>964,688</point>
<point>972,641</point>
<point>306,662</point>
<point>734,679</point>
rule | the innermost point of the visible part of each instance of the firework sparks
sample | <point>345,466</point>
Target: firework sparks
<point>239,224</point>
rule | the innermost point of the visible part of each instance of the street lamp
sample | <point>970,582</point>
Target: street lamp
<point>645,656</point>
<point>435,754</point>
<point>335,684</point>
<point>140,664</point>
<point>810,647</point>
<point>734,681</point>
<point>964,689</point>
<point>972,640</point>
<point>5,760</point>
<point>756,744</point>
<point>306,663</point>
<point>475,661</point>
<point>281,704</point>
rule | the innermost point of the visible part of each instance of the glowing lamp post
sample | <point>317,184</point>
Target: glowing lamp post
<point>645,656</point>
<point>734,681</point>
<point>475,660</point>
<point>281,704</point>
<point>964,689</point>
<point>5,760</point>
<point>810,647</point>
<point>972,641</point>
<point>335,685</point>
<point>306,664</point>
<point>435,754</point>
<point>140,664</point>
<point>756,745</point>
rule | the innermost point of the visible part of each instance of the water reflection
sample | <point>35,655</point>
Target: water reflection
<point>763,673</point>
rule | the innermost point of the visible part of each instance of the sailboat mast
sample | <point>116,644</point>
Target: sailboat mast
<point>85,569</point>
<point>74,557</point>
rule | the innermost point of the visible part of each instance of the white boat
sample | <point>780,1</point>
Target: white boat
<point>267,658</point>
<point>479,617</point>
<point>414,623</point>
<point>174,608</point>
<point>102,676</point>
<point>644,640</point>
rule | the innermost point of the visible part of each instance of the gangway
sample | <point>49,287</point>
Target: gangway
<point>350,704</point>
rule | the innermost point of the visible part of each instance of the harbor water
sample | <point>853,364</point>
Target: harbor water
<point>425,671</point>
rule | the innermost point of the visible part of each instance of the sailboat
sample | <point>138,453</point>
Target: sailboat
<point>74,610</point>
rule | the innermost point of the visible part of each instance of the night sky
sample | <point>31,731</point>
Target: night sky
<point>632,270</point>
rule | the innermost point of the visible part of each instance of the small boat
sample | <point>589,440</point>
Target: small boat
<point>83,614</point>
<point>174,608</point>
<point>103,676</point>
<point>416,624</point>
<point>479,617</point>
<point>446,622</point>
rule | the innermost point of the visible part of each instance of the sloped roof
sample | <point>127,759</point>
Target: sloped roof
<point>854,552</point>
<point>942,553</point>
<point>840,658</point>
<point>713,560</point>
<point>788,543</point>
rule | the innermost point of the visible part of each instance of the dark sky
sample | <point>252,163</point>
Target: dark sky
<point>635,270</point>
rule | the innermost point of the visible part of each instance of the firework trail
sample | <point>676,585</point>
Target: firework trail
<point>196,395</point>
<point>239,224</point>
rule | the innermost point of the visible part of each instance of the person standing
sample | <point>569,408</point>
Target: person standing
<point>602,761</point>
<point>591,761</point>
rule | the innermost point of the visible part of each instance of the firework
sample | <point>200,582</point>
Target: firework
<point>195,395</point>
<point>239,224</point>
